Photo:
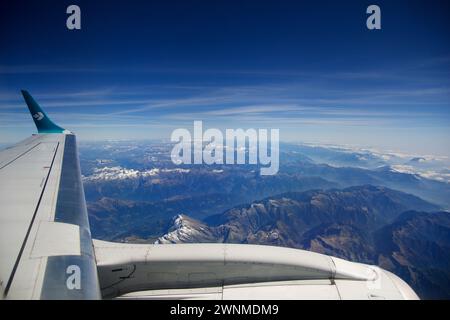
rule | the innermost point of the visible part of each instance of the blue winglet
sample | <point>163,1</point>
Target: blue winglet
<point>41,120</point>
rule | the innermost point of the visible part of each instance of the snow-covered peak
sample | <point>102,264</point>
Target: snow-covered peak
<point>178,221</point>
<point>184,230</point>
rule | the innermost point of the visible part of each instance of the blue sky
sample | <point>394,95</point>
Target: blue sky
<point>138,70</point>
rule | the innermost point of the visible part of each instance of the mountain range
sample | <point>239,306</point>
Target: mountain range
<point>367,224</point>
<point>387,209</point>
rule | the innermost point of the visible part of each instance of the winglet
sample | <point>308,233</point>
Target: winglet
<point>41,120</point>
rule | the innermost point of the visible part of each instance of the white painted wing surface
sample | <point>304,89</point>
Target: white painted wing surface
<point>43,221</point>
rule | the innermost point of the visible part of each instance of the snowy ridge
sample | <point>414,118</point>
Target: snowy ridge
<point>187,230</point>
<point>120,173</point>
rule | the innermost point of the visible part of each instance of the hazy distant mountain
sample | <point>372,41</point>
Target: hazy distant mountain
<point>417,160</point>
<point>239,183</point>
<point>144,172</point>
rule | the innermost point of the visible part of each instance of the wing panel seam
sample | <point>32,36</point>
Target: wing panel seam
<point>20,155</point>
<point>16,264</point>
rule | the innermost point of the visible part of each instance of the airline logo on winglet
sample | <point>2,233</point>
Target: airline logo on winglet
<point>38,116</point>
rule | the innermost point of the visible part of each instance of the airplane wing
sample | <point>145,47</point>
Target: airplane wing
<point>46,249</point>
<point>45,243</point>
